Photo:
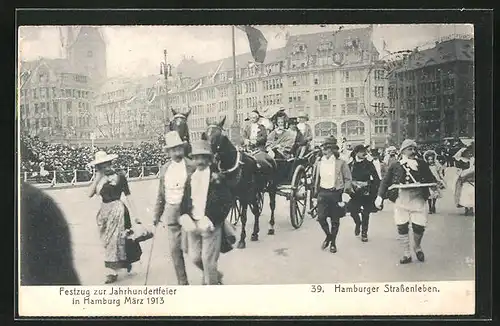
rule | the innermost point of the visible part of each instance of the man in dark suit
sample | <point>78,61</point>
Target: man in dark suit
<point>210,204</point>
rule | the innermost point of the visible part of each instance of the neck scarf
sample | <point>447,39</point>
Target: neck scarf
<point>411,163</point>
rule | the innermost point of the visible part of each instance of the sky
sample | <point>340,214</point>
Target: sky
<point>138,50</point>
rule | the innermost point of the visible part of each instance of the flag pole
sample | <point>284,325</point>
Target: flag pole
<point>235,127</point>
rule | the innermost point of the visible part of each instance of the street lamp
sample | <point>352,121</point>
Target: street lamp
<point>166,70</point>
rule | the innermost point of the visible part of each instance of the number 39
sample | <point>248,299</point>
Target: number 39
<point>317,289</point>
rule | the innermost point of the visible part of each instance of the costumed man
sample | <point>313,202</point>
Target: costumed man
<point>332,185</point>
<point>211,201</point>
<point>409,203</point>
<point>172,200</point>
<point>307,133</point>
<point>364,176</point>
<point>254,134</point>
<point>281,140</point>
<point>465,184</point>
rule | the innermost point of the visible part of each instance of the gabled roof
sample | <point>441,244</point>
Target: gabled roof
<point>338,38</point>
<point>188,69</point>
<point>447,51</point>
<point>58,65</point>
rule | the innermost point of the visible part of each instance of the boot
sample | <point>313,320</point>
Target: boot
<point>326,242</point>
<point>429,201</point>
<point>364,227</point>
<point>357,223</point>
<point>434,206</point>
<point>334,231</point>
<point>417,239</point>
<point>404,241</point>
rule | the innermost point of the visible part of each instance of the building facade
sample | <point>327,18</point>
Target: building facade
<point>56,96</point>
<point>432,93</point>
<point>130,109</point>
<point>335,79</point>
<point>54,102</point>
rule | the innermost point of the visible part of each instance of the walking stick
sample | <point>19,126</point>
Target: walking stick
<point>150,255</point>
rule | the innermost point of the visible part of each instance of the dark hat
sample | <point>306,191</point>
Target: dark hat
<point>357,149</point>
<point>256,111</point>
<point>330,142</point>
<point>305,116</point>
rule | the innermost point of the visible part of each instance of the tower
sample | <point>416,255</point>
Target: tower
<point>87,53</point>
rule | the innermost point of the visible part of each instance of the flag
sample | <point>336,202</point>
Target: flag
<point>258,43</point>
<point>216,71</point>
<point>195,86</point>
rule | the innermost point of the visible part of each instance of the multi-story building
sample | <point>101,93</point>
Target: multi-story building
<point>130,108</point>
<point>432,93</point>
<point>334,78</point>
<point>57,95</point>
<point>55,102</point>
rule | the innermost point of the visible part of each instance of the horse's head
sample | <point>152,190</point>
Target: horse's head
<point>214,133</point>
<point>179,124</point>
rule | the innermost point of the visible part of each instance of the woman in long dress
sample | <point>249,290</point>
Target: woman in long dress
<point>437,170</point>
<point>113,218</point>
<point>465,185</point>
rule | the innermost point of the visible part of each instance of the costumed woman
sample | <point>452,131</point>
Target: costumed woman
<point>437,170</point>
<point>113,218</point>
<point>465,185</point>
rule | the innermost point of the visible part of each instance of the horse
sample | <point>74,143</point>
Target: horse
<point>179,124</point>
<point>242,174</point>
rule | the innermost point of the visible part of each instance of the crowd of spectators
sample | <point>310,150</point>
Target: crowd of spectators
<point>39,158</point>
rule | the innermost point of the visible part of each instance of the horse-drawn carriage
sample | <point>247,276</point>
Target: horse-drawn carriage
<point>293,181</point>
<point>289,177</point>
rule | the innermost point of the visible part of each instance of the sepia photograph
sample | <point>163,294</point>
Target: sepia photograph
<point>226,160</point>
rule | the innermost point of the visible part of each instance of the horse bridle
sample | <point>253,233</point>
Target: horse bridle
<point>216,155</point>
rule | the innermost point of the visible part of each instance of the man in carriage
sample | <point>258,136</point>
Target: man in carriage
<point>254,134</point>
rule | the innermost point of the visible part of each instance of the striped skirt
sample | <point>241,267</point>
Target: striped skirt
<point>112,220</point>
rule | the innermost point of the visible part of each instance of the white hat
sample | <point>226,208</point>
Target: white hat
<point>172,139</point>
<point>102,157</point>
<point>407,143</point>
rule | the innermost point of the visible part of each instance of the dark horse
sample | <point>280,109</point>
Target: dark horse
<point>179,124</point>
<point>243,176</point>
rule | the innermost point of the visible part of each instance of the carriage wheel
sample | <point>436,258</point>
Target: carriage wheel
<point>235,212</point>
<point>298,197</point>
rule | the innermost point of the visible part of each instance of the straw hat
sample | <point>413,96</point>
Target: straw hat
<point>201,147</point>
<point>172,139</point>
<point>102,157</point>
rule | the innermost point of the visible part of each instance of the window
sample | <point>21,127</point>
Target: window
<point>353,128</point>
<point>345,76</point>
<point>381,126</point>
<point>379,91</point>
<point>379,74</point>
<point>349,92</point>
<point>325,129</point>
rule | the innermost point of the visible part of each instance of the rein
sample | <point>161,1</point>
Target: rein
<point>237,161</point>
